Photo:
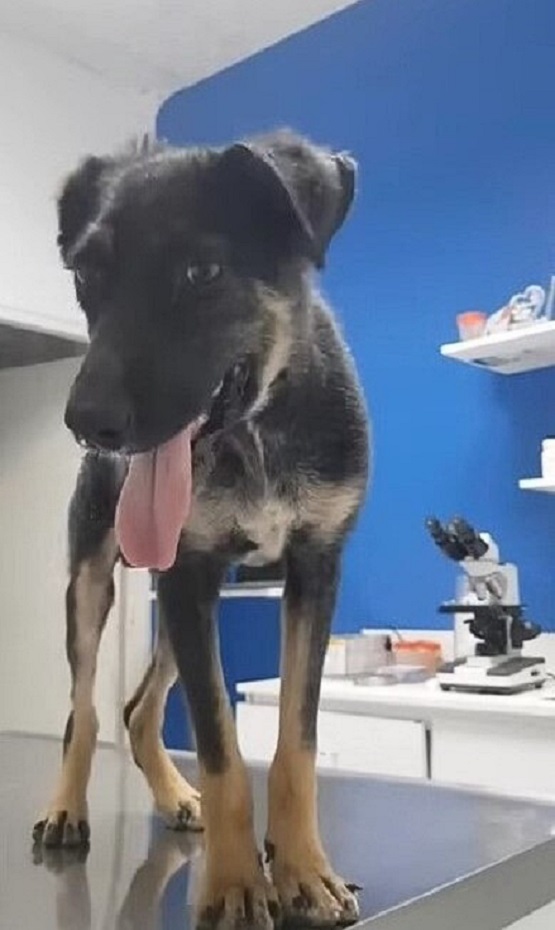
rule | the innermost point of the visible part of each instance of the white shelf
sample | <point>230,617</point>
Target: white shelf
<point>547,485</point>
<point>522,349</point>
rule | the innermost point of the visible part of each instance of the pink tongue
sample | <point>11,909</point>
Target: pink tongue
<point>155,502</point>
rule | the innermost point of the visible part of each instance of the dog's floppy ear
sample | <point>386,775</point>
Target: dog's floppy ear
<point>305,187</point>
<point>78,203</point>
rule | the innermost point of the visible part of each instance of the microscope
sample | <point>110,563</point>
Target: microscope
<point>488,602</point>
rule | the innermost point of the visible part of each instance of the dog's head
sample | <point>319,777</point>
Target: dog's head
<point>182,260</point>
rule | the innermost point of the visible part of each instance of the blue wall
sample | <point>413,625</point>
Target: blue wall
<point>249,651</point>
<point>449,107</point>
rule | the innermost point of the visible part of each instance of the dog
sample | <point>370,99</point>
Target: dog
<point>224,424</point>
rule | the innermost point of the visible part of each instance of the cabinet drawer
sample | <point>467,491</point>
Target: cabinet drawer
<point>370,745</point>
<point>257,730</point>
<point>374,745</point>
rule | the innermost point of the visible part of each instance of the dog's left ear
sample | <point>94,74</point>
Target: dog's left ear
<point>304,189</point>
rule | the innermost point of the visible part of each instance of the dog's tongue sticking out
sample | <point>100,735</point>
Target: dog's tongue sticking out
<point>155,502</point>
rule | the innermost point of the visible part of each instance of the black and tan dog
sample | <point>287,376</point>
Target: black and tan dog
<point>228,405</point>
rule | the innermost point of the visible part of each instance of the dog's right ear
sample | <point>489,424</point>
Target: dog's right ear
<point>79,203</point>
<point>301,191</point>
<point>252,175</point>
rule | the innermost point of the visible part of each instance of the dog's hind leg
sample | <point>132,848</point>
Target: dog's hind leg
<point>89,597</point>
<point>174,797</point>
<point>310,892</point>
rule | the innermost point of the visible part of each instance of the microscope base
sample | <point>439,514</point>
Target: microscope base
<point>499,675</point>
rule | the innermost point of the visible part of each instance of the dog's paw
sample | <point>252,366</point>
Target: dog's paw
<point>244,905</point>
<point>185,815</point>
<point>179,806</point>
<point>62,828</point>
<point>177,802</point>
<point>310,894</point>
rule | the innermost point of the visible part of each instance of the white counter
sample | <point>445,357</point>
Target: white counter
<point>501,742</point>
<point>425,700</point>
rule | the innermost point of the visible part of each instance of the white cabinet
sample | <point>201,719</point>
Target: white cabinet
<point>502,744</point>
<point>367,745</point>
<point>516,757</point>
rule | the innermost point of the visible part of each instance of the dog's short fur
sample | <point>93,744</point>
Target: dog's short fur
<point>195,271</point>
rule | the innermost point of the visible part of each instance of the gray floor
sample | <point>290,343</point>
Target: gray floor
<point>398,840</point>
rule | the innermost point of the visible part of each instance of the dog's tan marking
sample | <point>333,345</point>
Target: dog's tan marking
<point>175,798</point>
<point>234,883</point>
<point>277,338</point>
<point>307,887</point>
<point>92,601</point>
<point>269,521</point>
<point>330,506</point>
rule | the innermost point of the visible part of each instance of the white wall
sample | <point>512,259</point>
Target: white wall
<point>52,113</point>
<point>38,466</point>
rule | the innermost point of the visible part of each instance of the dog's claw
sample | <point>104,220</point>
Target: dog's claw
<point>54,831</point>
<point>245,905</point>
<point>72,836</point>
<point>38,830</point>
<point>84,832</point>
<point>185,816</point>
<point>316,899</point>
<point>241,910</point>
<point>59,831</point>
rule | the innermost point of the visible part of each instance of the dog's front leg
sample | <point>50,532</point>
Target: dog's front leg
<point>309,891</point>
<point>89,597</point>
<point>235,892</point>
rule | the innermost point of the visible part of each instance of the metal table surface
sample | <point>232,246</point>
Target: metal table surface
<point>428,858</point>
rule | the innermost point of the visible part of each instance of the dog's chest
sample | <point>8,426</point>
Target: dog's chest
<point>236,506</point>
<point>267,528</point>
<point>254,533</point>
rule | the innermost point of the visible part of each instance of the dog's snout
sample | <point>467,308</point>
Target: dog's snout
<point>105,424</point>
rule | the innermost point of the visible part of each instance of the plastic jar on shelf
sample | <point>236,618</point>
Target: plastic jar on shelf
<point>471,324</point>
<point>548,458</point>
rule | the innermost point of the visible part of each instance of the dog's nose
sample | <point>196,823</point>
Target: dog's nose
<point>106,425</point>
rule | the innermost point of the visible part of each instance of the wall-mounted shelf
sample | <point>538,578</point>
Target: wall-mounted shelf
<point>547,485</point>
<point>522,349</point>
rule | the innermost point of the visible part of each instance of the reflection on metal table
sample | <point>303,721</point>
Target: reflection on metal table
<point>428,858</point>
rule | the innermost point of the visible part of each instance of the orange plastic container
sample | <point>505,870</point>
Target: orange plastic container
<point>471,324</point>
<point>418,652</point>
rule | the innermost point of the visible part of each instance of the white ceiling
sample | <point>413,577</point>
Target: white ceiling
<point>158,46</point>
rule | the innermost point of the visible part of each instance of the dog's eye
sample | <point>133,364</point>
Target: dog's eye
<point>198,275</point>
